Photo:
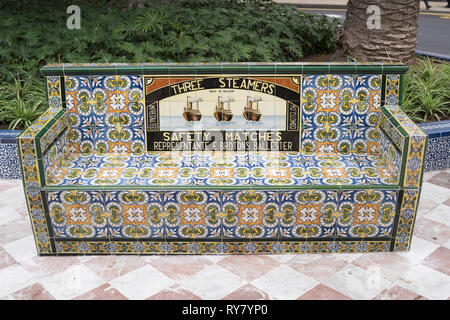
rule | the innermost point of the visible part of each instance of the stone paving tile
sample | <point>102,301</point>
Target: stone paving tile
<point>357,283</point>
<point>5,259</point>
<point>439,260</point>
<point>249,267</point>
<point>322,292</point>
<point>174,293</point>
<point>142,283</point>
<point>247,292</point>
<point>398,293</point>
<point>72,282</point>
<point>33,292</point>
<point>432,231</point>
<point>421,273</point>
<point>104,292</point>
<point>284,283</point>
<point>180,267</point>
<point>109,267</point>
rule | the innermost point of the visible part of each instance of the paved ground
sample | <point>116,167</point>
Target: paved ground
<point>434,27</point>
<point>422,273</point>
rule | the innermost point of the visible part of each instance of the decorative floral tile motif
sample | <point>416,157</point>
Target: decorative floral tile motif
<point>408,212</point>
<point>437,155</point>
<point>340,113</point>
<point>77,214</point>
<point>9,161</point>
<point>234,214</point>
<point>215,247</point>
<point>392,89</point>
<point>338,214</point>
<point>261,169</point>
<point>105,113</point>
<point>54,92</point>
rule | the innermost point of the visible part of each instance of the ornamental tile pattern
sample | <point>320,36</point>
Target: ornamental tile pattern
<point>105,114</point>
<point>340,113</point>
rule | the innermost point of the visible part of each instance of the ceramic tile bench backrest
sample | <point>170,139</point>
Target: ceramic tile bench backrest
<point>336,109</point>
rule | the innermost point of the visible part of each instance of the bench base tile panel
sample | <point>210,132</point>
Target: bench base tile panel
<point>228,221</point>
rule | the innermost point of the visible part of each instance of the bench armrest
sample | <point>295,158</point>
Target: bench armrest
<point>410,141</point>
<point>37,146</point>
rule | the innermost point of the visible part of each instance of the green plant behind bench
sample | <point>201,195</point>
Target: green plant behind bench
<point>178,31</point>
<point>427,91</point>
<point>22,101</point>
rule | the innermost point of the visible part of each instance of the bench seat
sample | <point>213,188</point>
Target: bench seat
<point>176,169</point>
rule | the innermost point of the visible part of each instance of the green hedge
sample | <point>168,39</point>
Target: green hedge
<point>35,33</point>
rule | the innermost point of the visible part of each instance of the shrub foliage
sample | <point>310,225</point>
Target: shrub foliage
<point>35,33</point>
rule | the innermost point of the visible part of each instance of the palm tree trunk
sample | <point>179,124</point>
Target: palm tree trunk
<point>394,41</point>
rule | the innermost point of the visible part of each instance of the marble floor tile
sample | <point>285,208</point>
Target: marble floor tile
<point>22,249</point>
<point>33,292</point>
<point>13,278</point>
<point>111,267</point>
<point>72,282</point>
<point>6,259</point>
<point>357,283</point>
<point>174,293</point>
<point>284,282</point>
<point>213,282</point>
<point>440,214</point>
<point>249,267</point>
<point>425,281</point>
<point>247,292</point>
<point>180,267</point>
<point>432,231</point>
<point>398,293</point>
<point>320,268</point>
<point>141,283</point>
<point>439,260</point>
<point>322,292</point>
<point>103,292</point>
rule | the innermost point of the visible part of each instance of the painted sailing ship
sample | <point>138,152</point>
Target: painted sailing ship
<point>222,112</point>
<point>250,112</point>
<point>191,112</point>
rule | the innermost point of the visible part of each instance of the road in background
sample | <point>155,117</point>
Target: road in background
<point>434,29</point>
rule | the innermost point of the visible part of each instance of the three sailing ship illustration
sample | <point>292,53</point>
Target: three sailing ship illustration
<point>222,111</point>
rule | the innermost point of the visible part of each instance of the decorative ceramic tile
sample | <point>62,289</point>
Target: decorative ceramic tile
<point>339,113</point>
<point>9,155</point>
<point>437,154</point>
<point>216,247</point>
<point>406,222</point>
<point>269,169</point>
<point>105,113</point>
<point>392,89</point>
<point>54,92</point>
<point>246,214</point>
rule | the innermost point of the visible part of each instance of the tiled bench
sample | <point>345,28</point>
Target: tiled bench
<point>117,164</point>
